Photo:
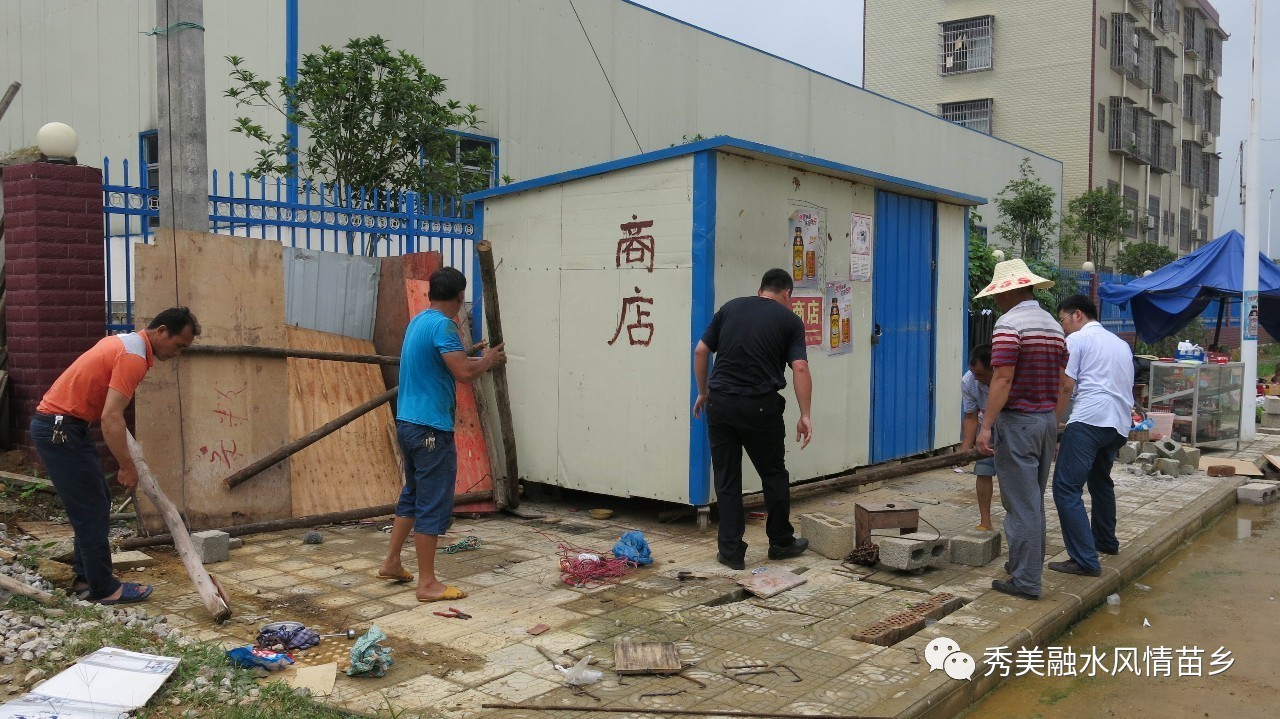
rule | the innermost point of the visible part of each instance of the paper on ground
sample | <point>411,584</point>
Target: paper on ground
<point>103,685</point>
<point>319,679</point>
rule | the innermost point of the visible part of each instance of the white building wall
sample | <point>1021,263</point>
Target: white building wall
<point>608,418</point>
<point>529,67</point>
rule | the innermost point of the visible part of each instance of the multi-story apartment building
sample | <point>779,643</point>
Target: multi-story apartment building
<point>1121,91</point>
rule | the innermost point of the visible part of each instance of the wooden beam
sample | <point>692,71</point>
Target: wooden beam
<point>8,96</point>
<point>308,439</point>
<point>210,593</point>
<point>501,490</point>
<point>870,474</point>
<point>314,520</point>
<point>289,353</point>
<point>42,485</point>
<point>502,394</point>
<point>13,586</point>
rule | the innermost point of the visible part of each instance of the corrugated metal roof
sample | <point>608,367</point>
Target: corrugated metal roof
<point>330,292</point>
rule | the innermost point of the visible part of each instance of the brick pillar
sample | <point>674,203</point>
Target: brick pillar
<point>54,275</point>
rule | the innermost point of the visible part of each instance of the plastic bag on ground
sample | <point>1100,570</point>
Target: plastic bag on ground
<point>633,548</point>
<point>368,658</point>
<point>579,675</point>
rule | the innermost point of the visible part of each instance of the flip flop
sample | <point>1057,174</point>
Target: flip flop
<point>982,528</point>
<point>401,578</point>
<point>449,593</point>
<point>130,593</point>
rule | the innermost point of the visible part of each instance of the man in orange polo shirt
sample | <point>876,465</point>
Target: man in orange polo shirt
<point>99,386</point>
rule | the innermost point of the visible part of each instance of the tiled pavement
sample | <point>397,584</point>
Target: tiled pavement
<point>449,667</point>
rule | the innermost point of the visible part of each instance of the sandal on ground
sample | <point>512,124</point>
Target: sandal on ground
<point>130,593</point>
<point>449,593</point>
<point>404,576</point>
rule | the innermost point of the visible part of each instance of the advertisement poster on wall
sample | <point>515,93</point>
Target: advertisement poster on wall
<point>809,310</point>
<point>802,239</point>
<point>837,318</point>
<point>1251,315</point>
<point>860,248</point>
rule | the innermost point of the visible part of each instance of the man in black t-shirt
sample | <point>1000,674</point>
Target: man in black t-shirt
<point>754,340</point>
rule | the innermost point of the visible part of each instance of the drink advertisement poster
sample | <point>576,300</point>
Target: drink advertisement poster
<point>802,240</point>
<point>837,317</point>
<point>809,310</point>
<point>860,248</point>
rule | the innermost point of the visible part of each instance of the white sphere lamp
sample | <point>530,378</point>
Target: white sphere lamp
<point>998,254</point>
<point>1146,272</point>
<point>1087,266</point>
<point>58,142</point>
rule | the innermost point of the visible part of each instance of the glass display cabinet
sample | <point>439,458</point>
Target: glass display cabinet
<point>1205,400</point>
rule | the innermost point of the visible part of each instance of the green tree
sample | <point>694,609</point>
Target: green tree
<point>982,264</point>
<point>1138,257</point>
<point>368,117</point>
<point>1025,208</point>
<point>1097,220</point>
<point>1065,285</point>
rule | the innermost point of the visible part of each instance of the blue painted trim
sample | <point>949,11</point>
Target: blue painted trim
<point>835,79</point>
<point>703,308</point>
<point>142,157</point>
<point>477,289</point>
<point>725,142</point>
<point>291,76</point>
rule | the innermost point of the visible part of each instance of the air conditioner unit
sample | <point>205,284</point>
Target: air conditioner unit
<point>1195,235</point>
<point>1207,74</point>
<point>1205,200</point>
<point>1206,138</point>
<point>1151,222</point>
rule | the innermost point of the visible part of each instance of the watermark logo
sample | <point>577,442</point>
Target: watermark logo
<point>945,654</point>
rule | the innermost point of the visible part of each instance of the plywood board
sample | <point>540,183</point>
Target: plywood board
<point>474,470</point>
<point>229,410</point>
<point>354,467</point>
<point>770,582</point>
<point>1243,467</point>
<point>646,658</point>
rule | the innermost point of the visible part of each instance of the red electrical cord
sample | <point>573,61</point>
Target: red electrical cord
<point>579,572</point>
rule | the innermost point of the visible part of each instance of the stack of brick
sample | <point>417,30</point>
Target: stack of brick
<point>896,627</point>
<point>54,272</point>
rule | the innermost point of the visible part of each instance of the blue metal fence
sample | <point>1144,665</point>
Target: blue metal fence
<point>319,216</point>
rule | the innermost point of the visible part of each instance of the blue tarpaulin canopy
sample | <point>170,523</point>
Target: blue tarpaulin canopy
<point>1166,300</point>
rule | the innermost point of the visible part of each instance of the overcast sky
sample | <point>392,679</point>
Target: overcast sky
<point>834,46</point>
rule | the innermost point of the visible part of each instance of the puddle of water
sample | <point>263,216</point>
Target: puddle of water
<point>1219,591</point>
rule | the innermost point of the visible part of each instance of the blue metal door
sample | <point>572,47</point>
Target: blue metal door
<point>902,356</point>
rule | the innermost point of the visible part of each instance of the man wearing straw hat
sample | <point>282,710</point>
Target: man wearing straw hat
<point>1020,425</point>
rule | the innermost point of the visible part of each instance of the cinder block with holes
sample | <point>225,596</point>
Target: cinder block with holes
<point>976,549</point>
<point>892,629</point>
<point>912,551</point>
<point>212,545</point>
<point>1252,493</point>
<point>827,535</point>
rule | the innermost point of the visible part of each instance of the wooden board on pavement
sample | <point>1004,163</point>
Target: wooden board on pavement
<point>646,658</point>
<point>771,582</point>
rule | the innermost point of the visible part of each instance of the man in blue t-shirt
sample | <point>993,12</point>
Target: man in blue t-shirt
<point>754,340</point>
<point>431,360</point>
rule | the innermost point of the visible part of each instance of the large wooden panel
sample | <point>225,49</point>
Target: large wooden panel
<point>355,466</point>
<point>228,410</point>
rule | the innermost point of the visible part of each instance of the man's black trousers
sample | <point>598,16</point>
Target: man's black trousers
<point>752,423</point>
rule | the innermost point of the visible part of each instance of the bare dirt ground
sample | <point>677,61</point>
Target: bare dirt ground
<point>1220,590</point>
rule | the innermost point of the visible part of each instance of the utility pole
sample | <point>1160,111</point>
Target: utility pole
<point>1252,236</point>
<point>180,115</point>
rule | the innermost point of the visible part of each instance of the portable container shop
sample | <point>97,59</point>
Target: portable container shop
<point>608,276</point>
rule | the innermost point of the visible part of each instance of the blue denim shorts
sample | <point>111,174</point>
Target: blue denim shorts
<point>430,472</point>
<point>985,467</point>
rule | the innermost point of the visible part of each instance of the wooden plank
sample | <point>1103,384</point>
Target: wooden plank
<point>646,658</point>
<point>475,474</point>
<point>230,410</point>
<point>42,485</point>
<point>771,582</point>
<point>354,467</point>
<point>391,316</point>
<point>46,531</point>
<point>1243,467</point>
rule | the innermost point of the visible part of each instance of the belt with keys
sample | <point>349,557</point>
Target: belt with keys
<point>59,434</point>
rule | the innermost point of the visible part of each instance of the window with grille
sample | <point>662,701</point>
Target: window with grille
<point>1152,219</point>
<point>1193,99</point>
<point>1129,134</point>
<point>1204,230</point>
<point>1124,44</point>
<point>1135,214</point>
<point>1166,15</point>
<point>1213,112</point>
<point>1209,163</point>
<point>1164,81</point>
<point>1192,165</point>
<point>966,45</point>
<point>1184,230</point>
<point>149,156</point>
<point>973,114</point>
<point>1193,32</point>
<point>1164,150</point>
<point>1213,47</point>
<point>1169,223</point>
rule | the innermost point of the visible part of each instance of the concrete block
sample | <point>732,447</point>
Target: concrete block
<point>1189,469</point>
<point>1127,455</point>
<point>212,545</point>
<point>1167,448</point>
<point>912,551</point>
<point>1149,448</point>
<point>1191,456</point>
<point>235,543</point>
<point>123,561</point>
<point>1171,467</point>
<point>1148,457</point>
<point>1257,493</point>
<point>976,549</point>
<point>827,535</point>
<point>1271,405</point>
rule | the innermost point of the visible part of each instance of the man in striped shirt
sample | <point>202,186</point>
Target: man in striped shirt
<point>1020,426</point>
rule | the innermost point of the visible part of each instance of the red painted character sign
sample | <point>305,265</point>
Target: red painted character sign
<point>809,310</point>
<point>635,248</point>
